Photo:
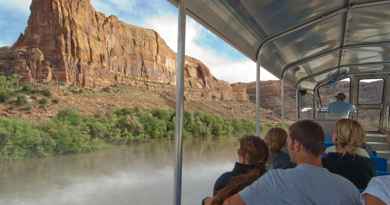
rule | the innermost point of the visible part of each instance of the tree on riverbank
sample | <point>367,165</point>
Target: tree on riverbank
<point>69,132</point>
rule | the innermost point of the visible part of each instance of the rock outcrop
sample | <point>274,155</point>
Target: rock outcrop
<point>68,41</point>
<point>270,96</point>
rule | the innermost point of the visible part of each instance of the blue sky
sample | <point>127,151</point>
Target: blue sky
<point>224,61</point>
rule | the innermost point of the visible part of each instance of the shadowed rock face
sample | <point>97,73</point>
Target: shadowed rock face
<point>270,96</point>
<point>68,41</point>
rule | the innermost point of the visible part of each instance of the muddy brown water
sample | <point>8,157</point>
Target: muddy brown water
<point>139,174</point>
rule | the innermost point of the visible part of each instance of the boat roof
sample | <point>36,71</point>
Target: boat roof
<point>308,41</point>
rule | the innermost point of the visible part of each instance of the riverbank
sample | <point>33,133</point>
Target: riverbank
<point>69,132</point>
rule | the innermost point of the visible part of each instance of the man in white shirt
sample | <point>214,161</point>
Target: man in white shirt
<point>377,191</point>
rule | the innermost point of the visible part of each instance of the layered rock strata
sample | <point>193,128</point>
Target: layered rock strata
<point>67,41</point>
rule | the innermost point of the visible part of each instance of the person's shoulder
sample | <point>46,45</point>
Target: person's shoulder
<point>379,187</point>
<point>281,156</point>
<point>222,181</point>
<point>333,103</point>
<point>364,161</point>
<point>282,161</point>
<point>330,149</point>
<point>280,174</point>
<point>380,180</point>
<point>341,186</point>
<point>342,182</point>
<point>362,152</point>
<point>224,177</point>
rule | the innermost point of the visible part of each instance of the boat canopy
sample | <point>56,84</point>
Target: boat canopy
<point>306,42</point>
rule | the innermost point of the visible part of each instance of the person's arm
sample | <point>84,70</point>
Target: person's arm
<point>372,200</point>
<point>234,200</point>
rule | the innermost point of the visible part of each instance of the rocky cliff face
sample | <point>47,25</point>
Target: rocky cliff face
<point>68,41</point>
<point>270,96</point>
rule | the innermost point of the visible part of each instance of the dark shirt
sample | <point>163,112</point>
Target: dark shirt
<point>281,160</point>
<point>225,178</point>
<point>357,169</point>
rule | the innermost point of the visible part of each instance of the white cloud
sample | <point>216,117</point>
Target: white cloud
<point>220,66</point>
<point>166,25</point>
<point>114,6</point>
<point>16,5</point>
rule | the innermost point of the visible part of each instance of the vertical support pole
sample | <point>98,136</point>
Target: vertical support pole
<point>258,123</point>
<point>314,104</point>
<point>282,103</point>
<point>298,103</point>
<point>387,116</point>
<point>180,62</point>
<point>354,95</point>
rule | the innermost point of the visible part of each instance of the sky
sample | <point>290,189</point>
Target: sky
<point>224,61</point>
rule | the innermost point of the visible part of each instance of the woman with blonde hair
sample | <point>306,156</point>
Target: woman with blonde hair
<point>347,159</point>
<point>351,133</point>
<point>276,141</point>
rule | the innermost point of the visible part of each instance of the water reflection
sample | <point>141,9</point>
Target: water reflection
<point>137,174</point>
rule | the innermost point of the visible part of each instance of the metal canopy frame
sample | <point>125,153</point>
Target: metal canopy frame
<point>346,11</point>
<point>343,46</point>
<point>180,62</point>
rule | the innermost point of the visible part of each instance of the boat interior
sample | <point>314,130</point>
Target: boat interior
<point>313,44</point>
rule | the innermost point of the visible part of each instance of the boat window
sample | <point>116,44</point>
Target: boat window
<point>328,92</point>
<point>369,118</point>
<point>307,106</point>
<point>370,91</point>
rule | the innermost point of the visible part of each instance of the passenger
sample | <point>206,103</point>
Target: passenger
<point>346,160</point>
<point>340,107</point>
<point>306,184</point>
<point>276,141</point>
<point>363,151</point>
<point>358,137</point>
<point>253,155</point>
<point>378,191</point>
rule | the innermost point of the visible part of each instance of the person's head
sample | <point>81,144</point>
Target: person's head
<point>252,151</point>
<point>348,135</point>
<point>276,139</point>
<point>305,141</point>
<point>340,97</point>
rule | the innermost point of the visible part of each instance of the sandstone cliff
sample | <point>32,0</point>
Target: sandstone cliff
<point>270,96</point>
<point>68,41</point>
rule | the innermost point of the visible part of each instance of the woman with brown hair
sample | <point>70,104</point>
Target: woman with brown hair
<point>276,141</point>
<point>253,155</point>
<point>346,161</point>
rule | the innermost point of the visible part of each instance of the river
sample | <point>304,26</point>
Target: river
<point>138,174</point>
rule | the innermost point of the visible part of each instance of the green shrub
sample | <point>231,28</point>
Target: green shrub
<point>23,140</point>
<point>27,88</point>
<point>21,100</point>
<point>69,132</point>
<point>4,96</point>
<point>69,116</point>
<point>8,85</point>
<point>43,102</point>
<point>45,92</point>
